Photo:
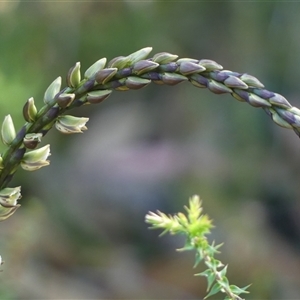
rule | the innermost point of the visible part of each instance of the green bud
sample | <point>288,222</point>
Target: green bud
<point>36,159</point>
<point>139,55</point>
<point>119,62</point>
<point>1,163</point>
<point>10,196</point>
<point>31,140</point>
<point>164,57</point>
<point>144,66</point>
<point>69,124</point>
<point>252,81</point>
<point>135,83</point>
<point>94,68</point>
<point>295,110</point>
<point>74,76</point>
<point>185,59</point>
<point>52,90</point>
<point>278,120</point>
<point>172,78</point>
<point>257,101</point>
<point>95,97</point>
<point>210,65</point>
<point>103,76</point>
<point>218,88</point>
<point>64,99</point>
<point>188,67</point>
<point>8,202</point>
<point>8,132</point>
<point>29,110</point>
<point>234,82</point>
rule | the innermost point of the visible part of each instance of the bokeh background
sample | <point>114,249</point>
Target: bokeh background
<point>80,232</point>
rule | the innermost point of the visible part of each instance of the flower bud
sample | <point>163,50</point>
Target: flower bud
<point>164,57</point>
<point>74,76</point>
<point>119,62</point>
<point>217,87</point>
<point>139,55</point>
<point>94,68</point>
<point>252,81</point>
<point>31,140</point>
<point>36,159</point>
<point>135,83</point>
<point>210,65</point>
<point>8,132</point>
<point>188,67</point>
<point>10,196</point>
<point>64,100</point>
<point>69,124</point>
<point>144,66</point>
<point>95,97</point>
<point>1,163</point>
<point>8,201</point>
<point>234,82</point>
<point>172,78</point>
<point>52,90</point>
<point>103,76</point>
<point>29,110</point>
<point>280,101</point>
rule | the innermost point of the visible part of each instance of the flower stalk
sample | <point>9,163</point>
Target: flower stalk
<point>124,73</point>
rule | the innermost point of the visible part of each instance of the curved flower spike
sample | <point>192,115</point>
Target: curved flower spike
<point>70,124</point>
<point>36,159</point>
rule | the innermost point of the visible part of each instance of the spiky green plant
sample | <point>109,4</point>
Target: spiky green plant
<point>195,226</point>
<point>122,73</point>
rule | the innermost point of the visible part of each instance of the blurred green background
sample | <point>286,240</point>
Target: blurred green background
<point>80,233</point>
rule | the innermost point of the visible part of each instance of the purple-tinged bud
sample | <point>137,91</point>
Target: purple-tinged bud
<point>29,110</point>
<point>64,100</point>
<point>31,140</point>
<point>144,66</point>
<point>119,62</point>
<point>280,101</point>
<point>210,65</point>
<point>136,83</point>
<point>251,81</point>
<point>120,85</point>
<point>169,67</point>
<point>289,116</point>
<point>277,119</point>
<point>257,101</point>
<point>172,78</point>
<point>188,67</point>
<point>218,88</point>
<point>96,97</point>
<point>74,76</point>
<point>240,95</point>
<point>199,81</point>
<point>105,75</point>
<point>235,82</point>
<point>164,57</point>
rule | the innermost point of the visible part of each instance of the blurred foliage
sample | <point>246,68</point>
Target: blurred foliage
<point>80,232</point>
